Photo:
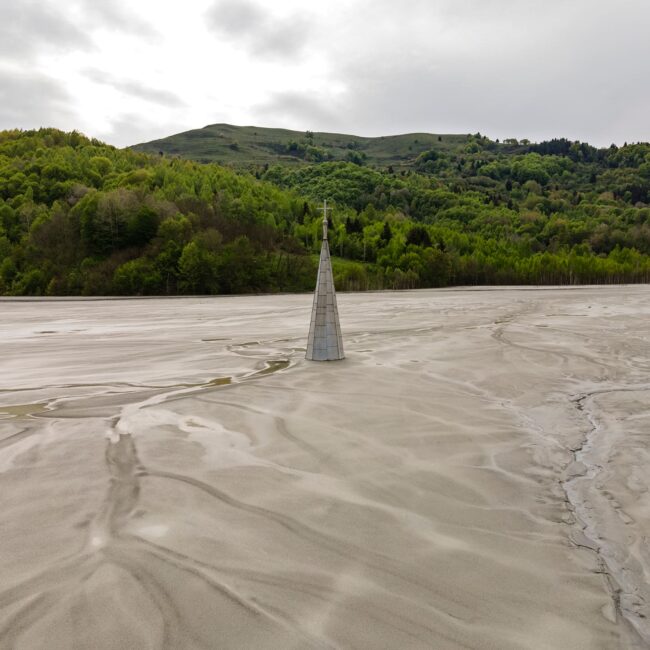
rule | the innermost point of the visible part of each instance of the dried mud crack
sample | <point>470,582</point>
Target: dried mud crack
<point>586,534</point>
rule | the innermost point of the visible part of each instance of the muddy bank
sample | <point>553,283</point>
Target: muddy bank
<point>174,474</point>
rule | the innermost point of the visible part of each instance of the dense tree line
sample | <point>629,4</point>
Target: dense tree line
<point>78,217</point>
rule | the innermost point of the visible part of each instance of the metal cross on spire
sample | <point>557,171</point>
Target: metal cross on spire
<point>324,210</point>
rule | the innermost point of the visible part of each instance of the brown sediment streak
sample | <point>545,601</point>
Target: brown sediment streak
<point>270,366</point>
<point>346,550</point>
<point>64,572</point>
<point>17,435</point>
<point>199,570</point>
<point>108,545</point>
<point>317,591</point>
<point>282,428</point>
<point>126,471</point>
<point>500,335</point>
<point>121,499</point>
<point>25,617</point>
<point>415,492</point>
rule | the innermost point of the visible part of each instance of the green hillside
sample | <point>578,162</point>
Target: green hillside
<point>79,217</point>
<point>251,145</point>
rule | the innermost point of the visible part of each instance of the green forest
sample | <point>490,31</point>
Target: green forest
<point>79,217</point>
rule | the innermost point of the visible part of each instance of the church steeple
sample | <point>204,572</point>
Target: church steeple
<point>324,342</point>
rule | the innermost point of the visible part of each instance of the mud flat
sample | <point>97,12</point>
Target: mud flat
<point>174,474</point>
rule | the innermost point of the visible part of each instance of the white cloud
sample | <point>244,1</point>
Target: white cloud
<point>523,68</point>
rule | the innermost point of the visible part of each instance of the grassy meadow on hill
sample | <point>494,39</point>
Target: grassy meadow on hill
<point>252,145</point>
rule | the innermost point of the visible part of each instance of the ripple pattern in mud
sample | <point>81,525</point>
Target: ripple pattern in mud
<point>204,486</point>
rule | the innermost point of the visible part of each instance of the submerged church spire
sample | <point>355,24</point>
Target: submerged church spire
<point>325,342</point>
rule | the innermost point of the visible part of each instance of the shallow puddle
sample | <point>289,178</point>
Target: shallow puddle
<point>273,366</point>
<point>20,410</point>
<point>220,381</point>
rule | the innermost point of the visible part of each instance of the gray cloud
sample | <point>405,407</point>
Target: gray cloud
<point>293,109</point>
<point>28,27</point>
<point>257,30</point>
<point>116,15</point>
<point>135,89</point>
<point>521,68</point>
<point>577,72</point>
<point>26,98</point>
<point>154,95</point>
<point>236,18</point>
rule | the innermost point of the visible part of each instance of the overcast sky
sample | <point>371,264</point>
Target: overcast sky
<point>128,72</point>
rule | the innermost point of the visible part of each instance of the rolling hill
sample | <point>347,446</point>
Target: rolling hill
<point>253,145</point>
